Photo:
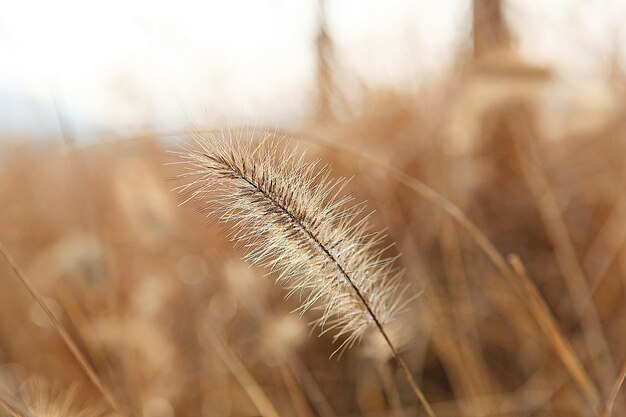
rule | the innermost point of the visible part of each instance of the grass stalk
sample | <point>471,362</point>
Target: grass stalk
<point>67,340</point>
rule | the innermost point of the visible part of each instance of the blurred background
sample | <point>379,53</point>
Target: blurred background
<point>127,66</point>
<point>475,129</point>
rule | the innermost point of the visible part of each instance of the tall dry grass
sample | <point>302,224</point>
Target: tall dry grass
<point>514,240</point>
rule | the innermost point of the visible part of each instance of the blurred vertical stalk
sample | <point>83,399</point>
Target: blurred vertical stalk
<point>490,30</point>
<point>324,55</point>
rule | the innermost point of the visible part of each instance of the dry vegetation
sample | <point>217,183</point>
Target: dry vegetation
<point>515,241</point>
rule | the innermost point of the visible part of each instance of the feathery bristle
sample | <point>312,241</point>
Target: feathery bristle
<point>292,217</point>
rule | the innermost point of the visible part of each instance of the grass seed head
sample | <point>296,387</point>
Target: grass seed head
<point>289,215</point>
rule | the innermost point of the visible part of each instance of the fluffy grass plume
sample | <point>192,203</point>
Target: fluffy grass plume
<point>292,217</point>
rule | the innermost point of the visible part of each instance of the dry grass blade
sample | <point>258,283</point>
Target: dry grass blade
<point>547,323</point>
<point>299,401</point>
<point>606,246</point>
<point>241,373</point>
<point>617,385</point>
<point>572,271</point>
<point>10,407</point>
<point>315,394</point>
<point>290,217</point>
<point>67,340</point>
<point>391,390</point>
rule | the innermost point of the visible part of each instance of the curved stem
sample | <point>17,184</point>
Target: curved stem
<point>418,392</point>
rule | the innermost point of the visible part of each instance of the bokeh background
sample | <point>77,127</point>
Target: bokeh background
<point>489,136</point>
<point>134,65</point>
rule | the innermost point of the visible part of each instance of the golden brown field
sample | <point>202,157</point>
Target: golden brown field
<point>512,238</point>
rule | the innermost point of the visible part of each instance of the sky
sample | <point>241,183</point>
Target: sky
<point>130,64</point>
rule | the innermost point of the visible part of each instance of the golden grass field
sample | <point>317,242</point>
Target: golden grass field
<point>512,239</point>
